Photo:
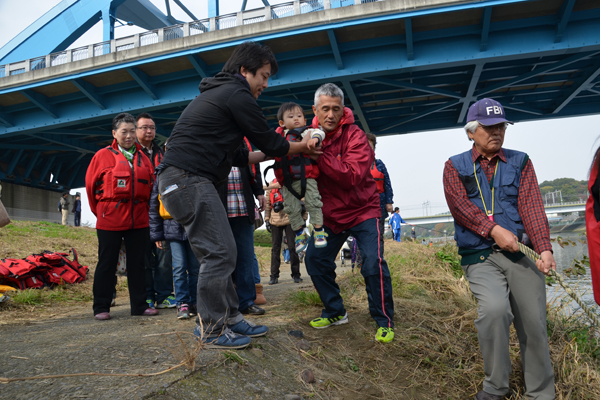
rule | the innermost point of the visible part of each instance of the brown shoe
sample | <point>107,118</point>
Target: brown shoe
<point>260,297</point>
<point>487,396</point>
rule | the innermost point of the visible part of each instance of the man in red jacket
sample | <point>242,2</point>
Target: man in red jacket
<point>350,207</point>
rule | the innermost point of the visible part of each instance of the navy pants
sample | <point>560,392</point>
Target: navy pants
<point>320,265</point>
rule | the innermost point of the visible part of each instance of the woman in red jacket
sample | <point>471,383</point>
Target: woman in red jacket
<point>118,184</point>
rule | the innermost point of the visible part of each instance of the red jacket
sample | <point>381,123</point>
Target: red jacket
<point>592,222</point>
<point>348,190</point>
<point>117,195</point>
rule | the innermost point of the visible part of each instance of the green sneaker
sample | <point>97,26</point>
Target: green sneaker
<point>150,303</point>
<point>321,323</point>
<point>169,302</point>
<point>384,335</point>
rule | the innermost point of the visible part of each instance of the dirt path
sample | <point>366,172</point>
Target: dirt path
<point>68,340</point>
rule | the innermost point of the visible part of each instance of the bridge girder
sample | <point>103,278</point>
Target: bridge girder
<point>483,54</point>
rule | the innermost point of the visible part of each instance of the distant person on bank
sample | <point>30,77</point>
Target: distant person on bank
<point>413,234</point>
<point>64,207</point>
<point>350,207</point>
<point>118,183</point>
<point>494,197</point>
<point>77,211</point>
<point>205,143</point>
<point>396,222</point>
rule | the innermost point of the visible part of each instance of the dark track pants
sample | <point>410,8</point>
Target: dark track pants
<point>320,265</point>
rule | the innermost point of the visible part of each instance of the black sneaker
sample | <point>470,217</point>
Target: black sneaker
<point>297,279</point>
<point>193,310</point>
<point>253,310</point>
<point>273,281</point>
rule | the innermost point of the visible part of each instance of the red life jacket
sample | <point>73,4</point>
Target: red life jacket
<point>119,183</point>
<point>38,270</point>
<point>117,193</point>
<point>14,268</point>
<point>378,176</point>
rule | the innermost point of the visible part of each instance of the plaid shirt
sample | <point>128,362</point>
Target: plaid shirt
<point>236,202</point>
<point>530,204</point>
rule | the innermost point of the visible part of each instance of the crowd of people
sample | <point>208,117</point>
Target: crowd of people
<point>187,216</point>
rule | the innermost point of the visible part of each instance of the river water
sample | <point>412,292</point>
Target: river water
<point>581,284</point>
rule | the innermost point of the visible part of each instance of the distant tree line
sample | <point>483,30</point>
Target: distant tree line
<point>571,190</point>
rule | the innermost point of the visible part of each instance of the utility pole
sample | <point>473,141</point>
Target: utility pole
<point>558,194</point>
<point>426,206</point>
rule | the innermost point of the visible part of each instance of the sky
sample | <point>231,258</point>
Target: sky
<point>559,148</point>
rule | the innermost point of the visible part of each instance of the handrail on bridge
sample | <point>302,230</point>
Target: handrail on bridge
<point>292,8</point>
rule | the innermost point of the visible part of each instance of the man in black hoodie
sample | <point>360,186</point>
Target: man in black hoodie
<point>205,143</point>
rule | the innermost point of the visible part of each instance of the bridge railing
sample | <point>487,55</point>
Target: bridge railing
<point>296,7</point>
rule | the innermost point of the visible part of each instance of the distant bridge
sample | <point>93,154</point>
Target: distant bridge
<point>443,218</point>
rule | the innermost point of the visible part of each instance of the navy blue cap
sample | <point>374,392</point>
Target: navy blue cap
<point>487,112</point>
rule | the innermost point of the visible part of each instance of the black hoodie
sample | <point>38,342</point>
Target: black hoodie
<point>208,136</point>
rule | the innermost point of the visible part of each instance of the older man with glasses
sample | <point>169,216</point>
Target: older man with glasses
<point>159,269</point>
<point>494,197</point>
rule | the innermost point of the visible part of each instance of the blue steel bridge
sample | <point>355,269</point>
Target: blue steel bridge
<point>405,66</point>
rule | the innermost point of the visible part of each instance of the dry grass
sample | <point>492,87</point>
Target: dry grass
<point>435,353</point>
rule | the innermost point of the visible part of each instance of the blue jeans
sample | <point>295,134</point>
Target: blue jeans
<point>196,205</point>
<point>243,233</point>
<point>185,272</point>
<point>320,265</point>
<point>286,255</point>
<point>255,271</point>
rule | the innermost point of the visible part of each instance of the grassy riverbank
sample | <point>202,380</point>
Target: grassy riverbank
<point>435,354</point>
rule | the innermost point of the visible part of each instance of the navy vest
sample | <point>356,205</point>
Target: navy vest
<point>506,184</point>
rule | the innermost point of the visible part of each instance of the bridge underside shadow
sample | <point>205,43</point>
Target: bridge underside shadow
<point>401,71</point>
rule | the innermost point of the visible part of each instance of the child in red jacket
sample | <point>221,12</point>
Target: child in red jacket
<point>297,176</point>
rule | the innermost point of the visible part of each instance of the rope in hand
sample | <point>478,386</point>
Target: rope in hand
<point>561,280</point>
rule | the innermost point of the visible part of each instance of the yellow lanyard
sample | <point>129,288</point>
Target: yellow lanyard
<point>489,213</point>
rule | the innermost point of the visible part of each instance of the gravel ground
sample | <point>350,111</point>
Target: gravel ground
<point>70,341</point>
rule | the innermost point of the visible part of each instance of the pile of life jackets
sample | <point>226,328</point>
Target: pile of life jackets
<point>39,270</point>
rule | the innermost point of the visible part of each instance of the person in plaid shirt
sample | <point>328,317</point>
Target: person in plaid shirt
<point>495,200</point>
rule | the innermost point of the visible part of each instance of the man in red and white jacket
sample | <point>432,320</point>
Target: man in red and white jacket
<point>350,207</point>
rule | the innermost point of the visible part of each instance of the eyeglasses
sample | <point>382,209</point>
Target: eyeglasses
<point>147,128</point>
<point>492,128</point>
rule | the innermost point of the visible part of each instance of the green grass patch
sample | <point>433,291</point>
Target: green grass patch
<point>232,356</point>
<point>66,293</point>
<point>305,298</point>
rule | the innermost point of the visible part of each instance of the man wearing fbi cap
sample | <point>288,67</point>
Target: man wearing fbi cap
<point>493,195</point>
